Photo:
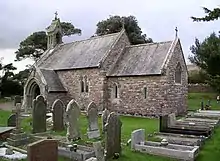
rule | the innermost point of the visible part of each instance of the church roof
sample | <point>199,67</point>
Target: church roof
<point>144,59</point>
<point>52,80</point>
<point>79,54</point>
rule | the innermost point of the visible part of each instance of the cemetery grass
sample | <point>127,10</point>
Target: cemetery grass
<point>194,101</point>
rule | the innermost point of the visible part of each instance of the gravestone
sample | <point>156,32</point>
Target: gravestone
<point>43,150</point>
<point>58,112</point>
<point>12,120</point>
<point>39,114</point>
<point>17,99</point>
<point>99,151</point>
<point>93,128</point>
<point>72,121</point>
<point>113,135</point>
<point>104,118</point>
<point>17,137</point>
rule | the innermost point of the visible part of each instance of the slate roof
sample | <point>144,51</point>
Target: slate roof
<point>79,54</point>
<point>144,59</point>
<point>53,81</point>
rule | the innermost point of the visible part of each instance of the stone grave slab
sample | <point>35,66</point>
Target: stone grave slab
<point>164,127</point>
<point>176,151</point>
<point>189,140</point>
<point>80,153</point>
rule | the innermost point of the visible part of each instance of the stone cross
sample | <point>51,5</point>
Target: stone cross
<point>113,135</point>
<point>39,114</point>
<point>93,128</point>
<point>104,118</point>
<point>18,116</point>
<point>99,151</point>
<point>58,113</point>
<point>72,121</point>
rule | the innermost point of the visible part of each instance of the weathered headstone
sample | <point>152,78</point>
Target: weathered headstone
<point>17,99</point>
<point>39,114</point>
<point>43,150</point>
<point>104,118</point>
<point>72,121</point>
<point>12,120</point>
<point>93,128</point>
<point>99,151</point>
<point>58,113</point>
<point>137,136</point>
<point>113,135</point>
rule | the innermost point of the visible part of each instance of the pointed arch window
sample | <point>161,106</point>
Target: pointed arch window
<point>178,74</point>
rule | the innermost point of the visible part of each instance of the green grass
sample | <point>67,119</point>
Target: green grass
<point>194,101</point>
<point>210,151</point>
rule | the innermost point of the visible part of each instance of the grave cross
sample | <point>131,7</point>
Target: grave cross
<point>18,113</point>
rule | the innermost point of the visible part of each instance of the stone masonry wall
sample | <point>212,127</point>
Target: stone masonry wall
<point>164,96</point>
<point>72,82</point>
<point>131,95</point>
<point>177,93</point>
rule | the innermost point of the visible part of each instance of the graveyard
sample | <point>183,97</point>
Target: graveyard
<point>141,138</point>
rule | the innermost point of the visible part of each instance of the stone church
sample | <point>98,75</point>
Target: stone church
<point>146,79</point>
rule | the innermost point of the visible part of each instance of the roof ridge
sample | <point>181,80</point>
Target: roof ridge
<point>91,38</point>
<point>145,44</point>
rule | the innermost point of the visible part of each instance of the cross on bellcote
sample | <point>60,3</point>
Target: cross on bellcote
<point>56,15</point>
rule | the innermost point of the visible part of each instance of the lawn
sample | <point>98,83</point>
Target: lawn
<point>194,100</point>
<point>210,151</point>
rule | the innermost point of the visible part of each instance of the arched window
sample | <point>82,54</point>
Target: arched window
<point>115,91</point>
<point>178,72</point>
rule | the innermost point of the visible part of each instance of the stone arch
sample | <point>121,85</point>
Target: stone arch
<point>32,90</point>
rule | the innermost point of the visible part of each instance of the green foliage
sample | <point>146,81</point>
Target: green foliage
<point>115,23</point>
<point>35,44</point>
<point>197,77</point>
<point>206,55</point>
<point>211,15</point>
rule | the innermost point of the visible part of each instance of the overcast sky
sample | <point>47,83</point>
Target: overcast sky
<point>157,18</point>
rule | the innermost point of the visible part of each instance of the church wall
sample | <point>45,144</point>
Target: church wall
<point>177,93</point>
<point>115,52</point>
<point>72,82</point>
<point>131,96</point>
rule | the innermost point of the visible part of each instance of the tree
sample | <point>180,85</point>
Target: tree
<point>115,23</point>
<point>210,15</point>
<point>35,44</point>
<point>206,55</point>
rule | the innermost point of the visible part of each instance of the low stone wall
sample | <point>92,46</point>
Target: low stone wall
<point>200,88</point>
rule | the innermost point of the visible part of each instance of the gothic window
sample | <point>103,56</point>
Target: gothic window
<point>115,91</point>
<point>145,92</point>
<point>178,72</point>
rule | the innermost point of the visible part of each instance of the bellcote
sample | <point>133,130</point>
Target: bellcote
<point>54,33</point>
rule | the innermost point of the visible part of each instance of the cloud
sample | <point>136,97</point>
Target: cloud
<point>157,18</point>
